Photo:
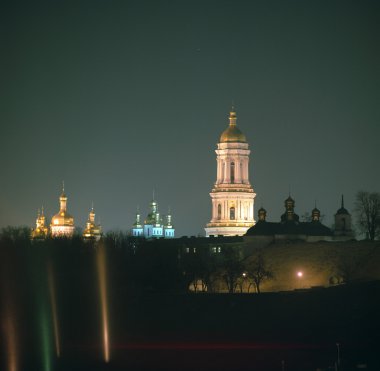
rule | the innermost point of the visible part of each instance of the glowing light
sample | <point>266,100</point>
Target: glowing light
<point>45,341</point>
<point>53,303</point>
<point>11,348</point>
<point>101,265</point>
<point>300,274</point>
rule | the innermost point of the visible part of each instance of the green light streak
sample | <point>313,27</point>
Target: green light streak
<point>46,341</point>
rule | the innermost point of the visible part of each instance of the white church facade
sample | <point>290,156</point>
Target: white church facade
<point>232,196</point>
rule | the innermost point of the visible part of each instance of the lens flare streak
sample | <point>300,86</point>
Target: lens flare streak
<point>101,265</point>
<point>10,338</point>
<point>53,303</point>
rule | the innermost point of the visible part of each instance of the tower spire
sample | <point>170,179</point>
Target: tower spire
<point>232,117</point>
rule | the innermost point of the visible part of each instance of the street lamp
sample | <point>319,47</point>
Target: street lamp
<point>299,276</point>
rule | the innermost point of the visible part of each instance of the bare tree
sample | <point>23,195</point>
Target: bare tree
<point>258,272</point>
<point>232,267</point>
<point>367,210</point>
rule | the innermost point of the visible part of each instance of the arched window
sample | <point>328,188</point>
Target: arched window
<point>241,172</point>
<point>232,172</point>
<point>232,213</point>
<point>223,170</point>
<point>219,211</point>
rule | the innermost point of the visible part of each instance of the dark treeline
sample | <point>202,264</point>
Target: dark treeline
<point>148,299</point>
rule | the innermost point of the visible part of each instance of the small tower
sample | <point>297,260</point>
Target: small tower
<point>168,227</point>
<point>152,224</point>
<point>62,224</point>
<point>41,231</point>
<point>93,231</point>
<point>262,213</point>
<point>137,229</point>
<point>289,215</point>
<point>343,222</point>
<point>315,214</point>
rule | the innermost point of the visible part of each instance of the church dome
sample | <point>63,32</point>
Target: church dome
<point>232,133</point>
<point>62,218</point>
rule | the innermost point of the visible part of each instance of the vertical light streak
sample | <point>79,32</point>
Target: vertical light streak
<point>101,265</point>
<point>45,341</point>
<point>53,303</point>
<point>11,340</point>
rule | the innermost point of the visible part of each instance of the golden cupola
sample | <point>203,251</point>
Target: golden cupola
<point>41,231</point>
<point>232,133</point>
<point>62,223</point>
<point>93,231</point>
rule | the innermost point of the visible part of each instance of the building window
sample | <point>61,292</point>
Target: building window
<point>232,213</point>
<point>219,249</point>
<point>214,250</point>
<point>219,211</point>
<point>187,250</point>
<point>232,168</point>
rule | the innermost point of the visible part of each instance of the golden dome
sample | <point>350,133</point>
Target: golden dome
<point>232,133</point>
<point>62,218</point>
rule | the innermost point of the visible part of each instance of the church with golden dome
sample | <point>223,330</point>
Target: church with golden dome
<point>92,231</point>
<point>232,197</point>
<point>62,223</point>
<point>41,231</point>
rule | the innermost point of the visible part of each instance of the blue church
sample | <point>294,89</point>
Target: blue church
<point>155,225</point>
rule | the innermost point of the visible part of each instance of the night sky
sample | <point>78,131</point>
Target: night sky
<point>118,98</point>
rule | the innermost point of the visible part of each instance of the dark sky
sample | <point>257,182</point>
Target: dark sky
<point>119,97</point>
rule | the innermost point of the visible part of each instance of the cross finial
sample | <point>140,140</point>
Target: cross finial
<point>63,186</point>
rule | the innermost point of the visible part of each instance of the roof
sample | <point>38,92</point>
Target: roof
<point>264,228</point>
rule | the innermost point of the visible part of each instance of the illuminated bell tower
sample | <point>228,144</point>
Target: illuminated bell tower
<point>62,224</point>
<point>232,196</point>
<point>92,231</point>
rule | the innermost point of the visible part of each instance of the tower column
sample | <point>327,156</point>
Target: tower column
<point>232,187</point>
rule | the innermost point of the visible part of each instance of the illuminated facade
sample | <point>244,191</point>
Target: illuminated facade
<point>92,231</point>
<point>155,225</point>
<point>232,197</point>
<point>62,224</point>
<point>41,231</point>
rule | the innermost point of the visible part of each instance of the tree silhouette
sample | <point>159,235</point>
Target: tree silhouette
<point>367,210</point>
<point>257,272</point>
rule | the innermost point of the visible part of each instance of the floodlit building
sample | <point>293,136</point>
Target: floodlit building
<point>232,196</point>
<point>155,225</point>
<point>92,231</point>
<point>62,223</point>
<point>41,231</point>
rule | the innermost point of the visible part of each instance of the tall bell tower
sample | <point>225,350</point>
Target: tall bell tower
<point>232,196</point>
